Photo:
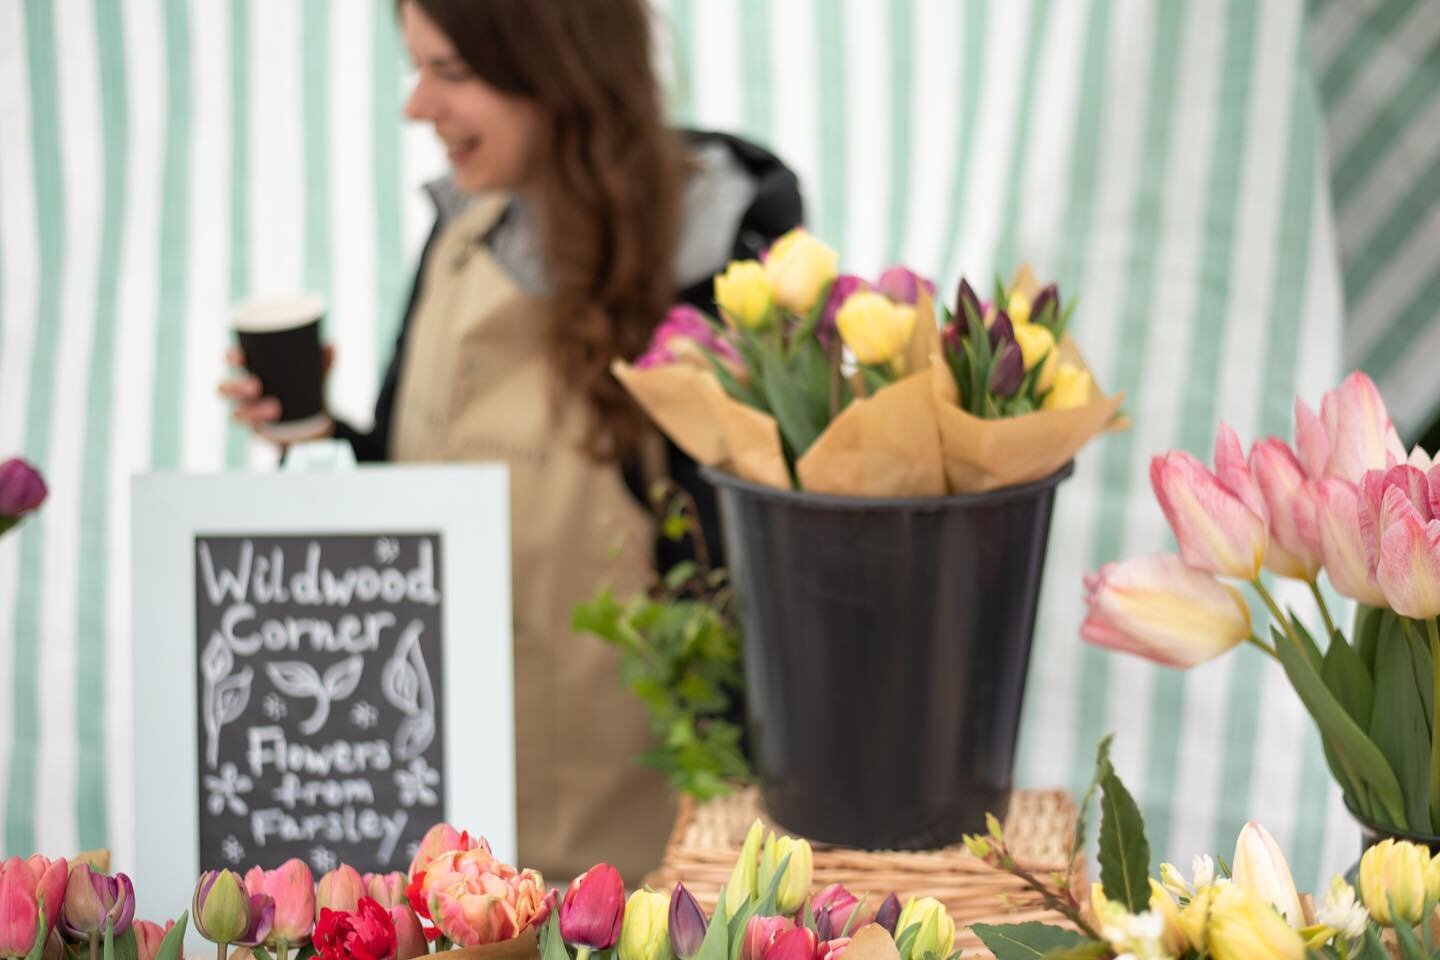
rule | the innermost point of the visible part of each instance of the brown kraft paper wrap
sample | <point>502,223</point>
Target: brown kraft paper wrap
<point>524,947</point>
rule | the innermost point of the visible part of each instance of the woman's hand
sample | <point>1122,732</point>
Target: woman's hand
<point>257,412</point>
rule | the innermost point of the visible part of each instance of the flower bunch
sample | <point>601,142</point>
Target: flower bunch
<point>1345,500</point>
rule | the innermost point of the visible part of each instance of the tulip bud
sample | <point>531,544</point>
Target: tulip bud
<point>876,330</point>
<point>591,913</point>
<point>845,286</point>
<point>22,489</point>
<point>833,905</point>
<point>443,838</point>
<point>794,885</point>
<point>1071,389</point>
<point>798,268</point>
<point>1002,330</point>
<point>51,877</point>
<point>1393,882</point>
<point>220,907</point>
<point>967,308</point>
<point>687,923</point>
<point>1240,926</point>
<point>744,296</point>
<point>741,886</point>
<point>1260,867</point>
<point>937,930</point>
<point>19,911</point>
<point>1046,307</point>
<point>410,939</point>
<point>1290,502</point>
<point>386,889</point>
<point>761,933</point>
<point>645,931</point>
<point>1215,524</point>
<point>148,937</point>
<point>94,902</point>
<point>340,889</point>
<point>888,916</point>
<point>1008,371</point>
<point>1037,344</point>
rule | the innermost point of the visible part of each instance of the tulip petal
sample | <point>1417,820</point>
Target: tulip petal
<point>1409,567</point>
<point>1342,543</point>
<point>1311,440</point>
<point>1216,531</point>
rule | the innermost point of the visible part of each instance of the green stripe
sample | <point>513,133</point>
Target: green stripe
<point>314,54</point>
<point>1108,539</point>
<point>830,39</point>
<point>91,633</point>
<point>1020,154</point>
<point>1410,211</point>
<point>41,57</point>
<point>1202,379</point>
<point>682,23</point>
<point>1381,135</point>
<point>389,105</point>
<point>237,438</point>
<point>1403,331</point>
<point>977,17</point>
<point>901,17</point>
<point>757,82</point>
<point>168,391</point>
<point>1368,38</point>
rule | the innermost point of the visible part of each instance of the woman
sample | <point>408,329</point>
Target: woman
<point>570,220</point>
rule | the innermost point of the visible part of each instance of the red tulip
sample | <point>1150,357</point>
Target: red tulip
<point>760,933</point>
<point>797,944</point>
<point>366,934</point>
<point>593,908</point>
<point>833,907</point>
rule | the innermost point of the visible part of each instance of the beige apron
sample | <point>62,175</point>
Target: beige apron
<point>477,385</point>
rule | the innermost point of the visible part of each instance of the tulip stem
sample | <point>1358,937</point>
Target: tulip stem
<point>1264,647</point>
<point>582,952</point>
<point>1435,721</point>
<point>94,946</point>
<point>1324,611</point>
<point>220,951</point>
<point>1277,613</point>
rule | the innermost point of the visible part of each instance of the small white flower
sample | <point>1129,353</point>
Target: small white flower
<point>1202,870</point>
<point>1341,910</point>
<point>1171,879</point>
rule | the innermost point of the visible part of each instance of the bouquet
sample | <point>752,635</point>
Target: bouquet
<point>1345,501</point>
<point>1248,909</point>
<point>22,490</point>
<point>832,384</point>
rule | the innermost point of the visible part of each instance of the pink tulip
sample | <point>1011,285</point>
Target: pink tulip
<point>796,944</point>
<point>761,933</point>
<point>410,939</point>
<point>386,889</point>
<point>904,285</point>
<point>443,838</point>
<point>1294,527</point>
<point>50,879</point>
<point>19,912</point>
<point>593,907</point>
<point>22,489</point>
<point>1164,610</point>
<point>834,906</point>
<point>94,901</point>
<point>832,949</point>
<point>340,890</point>
<point>1409,567</point>
<point>148,937</point>
<point>292,887</point>
<point>1342,544</point>
<point>474,920</point>
<point>1410,482</point>
<point>1219,520</point>
<point>685,330</point>
<point>1351,435</point>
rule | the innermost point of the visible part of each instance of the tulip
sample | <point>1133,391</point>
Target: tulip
<point>876,330</point>
<point>1409,567</point>
<point>832,949</point>
<point>1342,543</point>
<point>473,920</point>
<point>386,889</point>
<point>687,923</point>
<point>1409,481</point>
<point>20,919</point>
<point>410,940</point>
<point>792,887</point>
<point>292,887</point>
<point>1174,938</point>
<point>904,285</point>
<point>796,944</point>
<point>834,905</point>
<point>684,332</point>
<point>95,902</point>
<point>22,489</point>
<point>1260,867</point>
<point>1037,344</point>
<point>367,933</point>
<point>1008,372</point>
<point>1241,926</point>
<point>889,914</point>
<point>761,933</point>
<point>224,912</point>
<point>1396,878</point>
<point>845,286</point>
<point>1046,307</point>
<point>741,886</point>
<point>1160,608</point>
<point>1352,434</point>
<point>743,295</point>
<point>475,899</point>
<point>1073,386</point>
<point>645,931</point>
<point>443,838</point>
<point>799,268</point>
<point>937,929</point>
<point>591,913</point>
<point>1214,518</point>
<point>967,305</point>
<point>51,878</point>
<point>1002,329</point>
<point>1294,523</point>
<point>533,900</point>
<point>148,937</point>
<point>340,889</point>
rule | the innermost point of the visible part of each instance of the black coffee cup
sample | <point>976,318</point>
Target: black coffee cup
<point>281,341</point>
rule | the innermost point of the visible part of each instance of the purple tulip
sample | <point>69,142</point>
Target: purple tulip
<point>967,304</point>
<point>845,285</point>
<point>687,923</point>
<point>1002,331</point>
<point>1009,370</point>
<point>889,913</point>
<point>93,901</point>
<point>903,285</point>
<point>1046,299</point>
<point>22,489</point>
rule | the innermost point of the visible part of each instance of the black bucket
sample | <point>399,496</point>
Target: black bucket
<point>886,643</point>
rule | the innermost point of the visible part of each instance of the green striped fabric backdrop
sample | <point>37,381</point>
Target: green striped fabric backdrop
<point>160,159</point>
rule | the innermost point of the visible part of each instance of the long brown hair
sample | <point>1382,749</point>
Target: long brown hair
<point>610,178</point>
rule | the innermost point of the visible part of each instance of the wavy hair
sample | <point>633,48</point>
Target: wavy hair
<point>610,179</point>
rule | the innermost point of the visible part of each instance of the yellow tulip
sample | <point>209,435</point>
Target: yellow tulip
<point>744,296</point>
<point>741,886</point>
<point>876,330</point>
<point>645,929</point>
<point>1037,342</point>
<point>795,882</point>
<point>937,929</point>
<point>1395,881</point>
<point>1071,389</point>
<point>1018,307</point>
<point>799,268</point>
<point>1243,927</point>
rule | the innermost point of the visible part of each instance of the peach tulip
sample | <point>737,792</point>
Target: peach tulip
<point>1164,610</point>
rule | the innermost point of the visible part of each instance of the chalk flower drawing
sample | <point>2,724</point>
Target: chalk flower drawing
<point>405,681</point>
<point>364,715</point>
<point>225,695</point>
<point>228,790</point>
<point>415,782</point>
<point>323,859</point>
<point>296,678</point>
<point>233,849</point>
<point>387,549</point>
<point>274,706</point>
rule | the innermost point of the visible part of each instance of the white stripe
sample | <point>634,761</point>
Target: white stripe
<point>76,64</point>
<point>352,222</point>
<point>1006,61</point>
<point>208,278</point>
<point>19,261</point>
<point>937,97</point>
<point>1393,64</point>
<point>797,94</point>
<point>719,62</point>
<point>871,184</point>
<point>137,295</point>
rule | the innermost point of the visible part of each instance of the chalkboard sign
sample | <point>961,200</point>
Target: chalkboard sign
<point>318,698</point>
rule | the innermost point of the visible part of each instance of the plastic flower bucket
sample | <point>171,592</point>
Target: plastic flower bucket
<point>886,643</point>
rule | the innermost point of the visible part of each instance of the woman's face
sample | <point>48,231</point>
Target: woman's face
<point>488,136</point>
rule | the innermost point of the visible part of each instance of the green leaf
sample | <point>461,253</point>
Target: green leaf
<point>37,947</point>
<point>1368,623</point>
<point>1089,950</point>
<point>172,946</point>
<point>1308,642</point>
<point>716,945</point>
<point>906,940</point>
<point>107,949</point>
<point>1410,948</point>
<point>787,402</point>
<point>741,392</point>
<point>1124,851</point>
<point>1372,947</point>
<point>1399,726</point>
<point>126,946</point>
<point>1362,761</point>
<point>1102,763</point>
<point>552,945</point>
<point>1027,941</point>
<point>1348,678</point>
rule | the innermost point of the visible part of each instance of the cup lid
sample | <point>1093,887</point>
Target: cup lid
<point>277,313</point>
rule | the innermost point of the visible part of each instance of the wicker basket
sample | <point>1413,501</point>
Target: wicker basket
<point>1039,829</point>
